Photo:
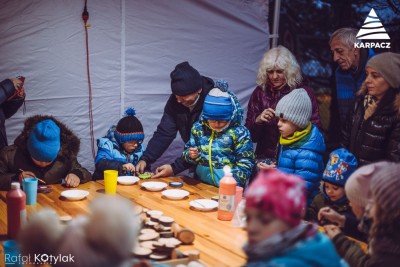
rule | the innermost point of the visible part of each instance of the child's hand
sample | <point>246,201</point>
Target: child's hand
<point>326,213</point>
<point>193,152</point>
<point>264,166</point>
<point>72,180</point>
<point>129,167</point>
<point>332,230</point>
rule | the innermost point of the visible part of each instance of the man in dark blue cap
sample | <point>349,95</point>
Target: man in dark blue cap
<point>182,110</point>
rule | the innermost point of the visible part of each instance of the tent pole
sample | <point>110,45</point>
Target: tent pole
<point>275,28</point>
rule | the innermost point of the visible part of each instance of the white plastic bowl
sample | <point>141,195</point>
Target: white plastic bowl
<point>154,186</point>
<point>127,180</point>
<point>203,204</point>
<point>74,194</point>
<point>175,193</point>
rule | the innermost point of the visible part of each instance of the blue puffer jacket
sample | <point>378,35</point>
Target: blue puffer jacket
<point>231,146</point>
<point>316,251</point>
<point>304,158</point>
<point>111,156</point>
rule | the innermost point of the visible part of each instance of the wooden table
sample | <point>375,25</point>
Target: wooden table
<point>218,241</point>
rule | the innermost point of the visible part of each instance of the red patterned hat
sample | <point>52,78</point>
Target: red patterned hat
<point>279,193</point>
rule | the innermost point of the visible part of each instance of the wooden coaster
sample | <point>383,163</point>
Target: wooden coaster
<point>65,219</point>
<point>157,256</point>
<point>149,236</point>
<point>142,252</point>
<point>166,221</point>
<point>161,228</point>
<point>147,231</point>
<point>170,242</point>
<point>154,212</point>
<point>166,234</point>
<point>155,217</point>
<point>148,244</point>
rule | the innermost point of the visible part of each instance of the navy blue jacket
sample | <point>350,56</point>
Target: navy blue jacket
<point>176,118</point>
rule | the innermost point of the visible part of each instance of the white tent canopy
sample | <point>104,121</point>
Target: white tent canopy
<point>133,45</point>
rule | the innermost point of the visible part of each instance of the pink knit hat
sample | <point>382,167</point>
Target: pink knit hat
<point>278,193</point>
<point>358,186</point>
<point>385,186</point>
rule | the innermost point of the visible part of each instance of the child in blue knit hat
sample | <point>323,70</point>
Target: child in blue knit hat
<point>121,148</point>
<point>46,149</point>
<point>340,166</point>
<point>219,138</point>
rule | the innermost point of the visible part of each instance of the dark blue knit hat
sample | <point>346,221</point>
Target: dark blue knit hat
<point>129,128</point>
<point>44,141</point>
<point>218,103</point>
<point>340,166</point>
<point>185,79</point>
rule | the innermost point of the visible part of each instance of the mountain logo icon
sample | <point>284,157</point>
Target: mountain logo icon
<point>372,28</point>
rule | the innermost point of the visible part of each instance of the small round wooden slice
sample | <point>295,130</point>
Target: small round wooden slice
<point>166,221</point>
<point>65,219</point>
<point>157,256</point>
<point>147,244</point>
<point>154,212</point>
<point>155,217</point>
<point>170,242</point>
<point>149,236</point>
<point>166,234</point>
<point>147,231</point>
<point>142,252</point>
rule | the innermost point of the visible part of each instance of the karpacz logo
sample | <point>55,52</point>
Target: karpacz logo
<point>372,29</point>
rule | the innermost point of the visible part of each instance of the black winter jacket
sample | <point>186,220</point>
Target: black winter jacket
<point>16,157</point>
<point>378,137</point>
<point>7,107</point>
<point>176,118</point>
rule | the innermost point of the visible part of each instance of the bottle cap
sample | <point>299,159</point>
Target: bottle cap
<point>15,185</point>
<point>227,170</point>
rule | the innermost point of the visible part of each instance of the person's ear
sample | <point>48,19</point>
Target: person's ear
<point>200,90</point>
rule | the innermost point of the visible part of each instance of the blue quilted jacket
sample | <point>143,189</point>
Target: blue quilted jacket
<point>111,156</point>
<point>304,158</point>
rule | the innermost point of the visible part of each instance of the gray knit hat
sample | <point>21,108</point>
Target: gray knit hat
<point>388,65</point>
<point>385,186</point>
<point>295,107</point>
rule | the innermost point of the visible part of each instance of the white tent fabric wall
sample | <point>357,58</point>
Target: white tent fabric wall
<point>134,45</point>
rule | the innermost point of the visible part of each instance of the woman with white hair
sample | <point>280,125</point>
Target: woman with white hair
<point>278,74</point>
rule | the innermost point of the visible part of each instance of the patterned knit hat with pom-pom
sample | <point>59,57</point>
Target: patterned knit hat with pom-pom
<point>218,103</point>
<point>278,193</point>
<point>129,128</point>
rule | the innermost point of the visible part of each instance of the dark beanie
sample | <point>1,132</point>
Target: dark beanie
<point>185,79</point>
<point>388,65</point>
<point>44,141</point>
<point>129,128</point>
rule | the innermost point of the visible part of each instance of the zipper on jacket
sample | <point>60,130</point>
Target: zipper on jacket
<point>209,157</point>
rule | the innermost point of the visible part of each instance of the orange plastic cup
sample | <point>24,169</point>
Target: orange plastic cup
<point>110,181</point>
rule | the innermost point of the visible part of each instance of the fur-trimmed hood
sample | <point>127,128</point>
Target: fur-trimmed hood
<point>70,143</point>
<point>392,93</point>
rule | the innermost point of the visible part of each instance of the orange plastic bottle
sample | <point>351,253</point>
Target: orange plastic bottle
<point>227,192</point>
